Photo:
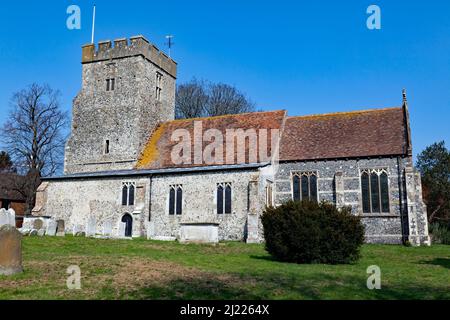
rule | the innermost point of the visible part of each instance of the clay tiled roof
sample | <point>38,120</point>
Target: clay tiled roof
<point>368,133</point>
<point>157,152</point>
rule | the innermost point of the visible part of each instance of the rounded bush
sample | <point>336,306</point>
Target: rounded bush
<point>311,232</point>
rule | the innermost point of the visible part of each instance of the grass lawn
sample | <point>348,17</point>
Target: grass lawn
<point>142,269</point>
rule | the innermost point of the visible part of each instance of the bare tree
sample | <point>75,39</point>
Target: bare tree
<point>225,99</point>
<point>33,135</point>
<point>191,100</point>
<point>200,99</point>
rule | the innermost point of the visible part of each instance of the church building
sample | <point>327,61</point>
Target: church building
<point>130,165</point>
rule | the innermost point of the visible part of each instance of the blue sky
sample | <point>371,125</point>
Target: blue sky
<point>304,56</point>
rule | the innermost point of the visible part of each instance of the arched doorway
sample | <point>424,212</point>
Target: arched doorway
<point>128,220</point>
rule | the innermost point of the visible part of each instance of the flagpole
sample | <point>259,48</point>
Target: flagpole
<point>93,26</point>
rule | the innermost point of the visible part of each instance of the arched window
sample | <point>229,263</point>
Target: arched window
<point>176,200</point>
<point>224,198</point>
<point>220,199</point>
<point>375,191</point>
<point>304,186</point>
<point>131,190</point>
<point>172,201</point>
<point>296,187</point>
<point>365,188</point>
<point>125,195</point>
<point>179,200</point>
<point>128,193</point>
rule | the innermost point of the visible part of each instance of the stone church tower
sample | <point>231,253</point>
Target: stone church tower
<point>127,90</point>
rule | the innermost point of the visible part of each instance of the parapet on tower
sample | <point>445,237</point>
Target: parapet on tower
<point>127,90</point>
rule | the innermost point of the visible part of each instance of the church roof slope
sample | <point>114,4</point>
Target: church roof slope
<point>157,153</point>
<point>368,133</point>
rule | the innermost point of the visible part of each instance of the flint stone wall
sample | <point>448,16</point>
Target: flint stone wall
<point>76,201</point>
<point>200,203</point>
<point>380,227</point>
<point>125,116</point>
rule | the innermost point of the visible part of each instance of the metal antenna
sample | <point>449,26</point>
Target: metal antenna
<point>170,43</point>
<point>93,26</point>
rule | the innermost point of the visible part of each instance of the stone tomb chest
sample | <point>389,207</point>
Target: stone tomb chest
<point>199,233</point>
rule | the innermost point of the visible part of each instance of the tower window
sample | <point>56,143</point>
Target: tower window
<point>176,200</point>
<point>158,86</point>
<point>128,193</point>
<point>224,198</point>
<point>107,147</point>
<point>110,84</point>
<point>304,185</point>
<point>375,191</point>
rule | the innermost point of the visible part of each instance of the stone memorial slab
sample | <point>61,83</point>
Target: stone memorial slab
<point>41,233</point>
<point>76,229</point>
<point>150,230</point>
<point>12,217</point>
<point>4,217</point>
<point>121,231</point>
<point>38,224</point>
<point>51,228</point>
<point>10,251</point>
<point>91,227</point>
<point>33,233</point>
<point>60,229</point>
<point>199,233</point>
<point>107,228</point>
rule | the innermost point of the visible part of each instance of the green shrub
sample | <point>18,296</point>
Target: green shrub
<point>440,233</point>
<point>310,232</point>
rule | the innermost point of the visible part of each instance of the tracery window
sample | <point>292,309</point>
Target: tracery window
<point>375,190</point>
<point>128,193</point>
<point>176,200</point>
<point>304,186</point>
<point>224,196</point>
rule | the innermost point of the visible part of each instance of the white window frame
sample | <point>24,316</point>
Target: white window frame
<point>224,185</point>
<point>128,185</point>
<point>175,188</point>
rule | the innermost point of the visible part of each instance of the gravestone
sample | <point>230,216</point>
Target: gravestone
<point>38,224</point>
<point>41,232</point>
<point>27,224</point>
<point>107,228</point>
<point>75,230</point>
<point>91,227</point>
<point>12,217</point>
<point>10,251</point>
<point>121,232</point>
<point>60,229</point>
<point>51,228</point>
<point>4,217</point>
<point>150,230</point>
<point>33,233</point>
